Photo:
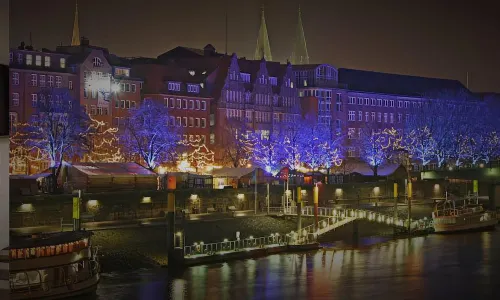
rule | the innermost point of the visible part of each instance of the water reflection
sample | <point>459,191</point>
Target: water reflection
<point>455,266</point>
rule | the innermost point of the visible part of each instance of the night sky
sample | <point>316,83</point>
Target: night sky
<point>420,38</point>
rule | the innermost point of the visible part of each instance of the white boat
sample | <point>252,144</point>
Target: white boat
<point>448,217</point>
<point>52,266</point>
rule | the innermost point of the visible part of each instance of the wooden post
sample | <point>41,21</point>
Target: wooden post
<point>315,201</point>
<point>299,211</point>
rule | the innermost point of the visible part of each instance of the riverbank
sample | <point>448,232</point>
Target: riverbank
<point>128,249</point>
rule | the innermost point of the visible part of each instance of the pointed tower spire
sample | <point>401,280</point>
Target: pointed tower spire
<point>300,55</point>
<point>75,39</point>
<point>263,49</point>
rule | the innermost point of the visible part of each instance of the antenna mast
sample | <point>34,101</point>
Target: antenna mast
<point>227,5</point>
<point>467,80</point>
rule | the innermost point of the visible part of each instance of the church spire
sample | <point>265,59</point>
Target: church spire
<point>263,49</point>
<point>75,39</point>
<point>299,54</point>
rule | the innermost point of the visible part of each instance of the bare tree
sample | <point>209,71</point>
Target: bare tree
<point>237,143</point>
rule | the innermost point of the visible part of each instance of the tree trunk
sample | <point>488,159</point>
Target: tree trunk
<point>375,171</point>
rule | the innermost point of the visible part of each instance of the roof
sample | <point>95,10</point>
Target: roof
<point>114,169</point>
<point>384,170</point>
<point>232,172</point>
<point>47,239</point>
<point>306,67</point>
<point>385,83</point>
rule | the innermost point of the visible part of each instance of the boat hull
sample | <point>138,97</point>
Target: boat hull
<point>451,228</point>
<point>79,289</point>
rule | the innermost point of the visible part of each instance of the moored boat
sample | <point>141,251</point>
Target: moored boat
<point>469,216</point>
<point>52,266</point>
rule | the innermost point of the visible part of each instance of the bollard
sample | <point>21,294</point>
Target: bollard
<point>315,198</point>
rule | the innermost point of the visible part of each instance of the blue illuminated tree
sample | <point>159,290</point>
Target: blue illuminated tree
<point>268,152</point>
<point>59,128</point>
<point>148,135</point>
<point>378,146</point>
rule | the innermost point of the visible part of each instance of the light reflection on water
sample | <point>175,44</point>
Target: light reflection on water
<point>465,266</point>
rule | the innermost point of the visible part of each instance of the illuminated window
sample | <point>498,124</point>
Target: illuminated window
<point>51,81</point>
<point>379,119</point>
<point>360,116</point>
<point>29,59</point>
<point>38,60</point>
<point>34,100</point>
<point>47,61</point>
<point>15,99</point>
<point>191,121</point>
<point>367,116</point>
<point>58,81</point>
<point>97,62</point>
<point>352,115</point>
<point>62,62</point>
<point>15,78</point>
<point>305,82</point>
<point>212,138</point>
<point>191,104</point>
<point>197,122</point>
<point>203,123</point>
<point>34,80</point>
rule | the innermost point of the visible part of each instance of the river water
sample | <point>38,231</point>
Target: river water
<point>444,267</point>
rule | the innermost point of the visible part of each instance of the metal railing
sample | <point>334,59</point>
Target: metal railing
<point>250,243</point>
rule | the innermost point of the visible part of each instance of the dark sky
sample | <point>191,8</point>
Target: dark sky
<point>422,38</point>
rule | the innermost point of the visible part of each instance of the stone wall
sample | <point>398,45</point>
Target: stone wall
<point>49,209</point>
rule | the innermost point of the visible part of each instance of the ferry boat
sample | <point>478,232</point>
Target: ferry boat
<point>448,217</point>
<point>52,266</point>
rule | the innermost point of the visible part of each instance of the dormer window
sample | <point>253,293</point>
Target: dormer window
<point>193,88</point>
<point>47,61</point>
<point>97,62</point>
<point>191,72</point>
<point>62,63</point>
<point>174,86</point>
<point>29,59</point>
<point>273,80</point>
<point>19,58</point>
<point>245,77</point>
<point>122,72</point>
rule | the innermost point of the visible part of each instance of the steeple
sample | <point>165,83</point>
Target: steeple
<point>75,40</point>
<point>299,54</point>
<point>263,49</point>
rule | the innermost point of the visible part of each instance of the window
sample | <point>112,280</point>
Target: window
<point>400,117</point>
<point>133,104</point>
<point>171,121</point>
<point>379,119</point>
<point>391,103</point>
<point>379,102</point>
<point>350,133</point>
<point>360,116</point>
<point>12,120</point>
<point>174,86</point>
<point>15,99</point>
<point>70,84</point>
<point>391,117</point>
<point>132,88</point>
<point>34,80</point>
<point>47,61</point>
<point>184,122</point>
<point>367,101</point>
<point>19,58</point>
<point>127,87</point>
<point>374,102</point>
<point>172,103</point>
<point>128,104</point>
<point>407,117</point>
<point>203,139</point>
<point>352,100</point>
<point>197,122</point>
<point>212,138</point>
<point>352,115</point>
<point>15,78</point>
<point>367,116</point>
<point>11,57</point>
<point>191,104</point>
<point>99,110</point>
<point>58,81</point>
<point>400,104</point>
<point>97,62</point>
<point>62,62</point>
<point>38,60</point>
<point>203,105</point>
<point>386,102</point>
<point>140,86</point>
<point>385,117</point>
<point>203,122</point>
<point>29,59</point>
<point>185,104</point>
<point>212,120</point>
<point>407,103</point>
<point>122,104</point>
<point>117,103</point>
<point>351,151</point>
<point>92,110</point>
<point>34,100</point>
<point>192,88</point>
<point>373,117</point>
<point>338,103</point>
<point>179,103</point>
<point>51,81</point>
<point>178,121</point>
<point>360,101</point>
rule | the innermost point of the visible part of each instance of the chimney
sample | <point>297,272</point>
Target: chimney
<point>84,41</point>
<point>22,46</point>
